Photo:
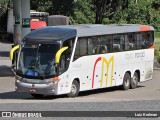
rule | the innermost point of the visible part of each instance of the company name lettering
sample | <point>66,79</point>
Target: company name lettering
<point>129,56</point>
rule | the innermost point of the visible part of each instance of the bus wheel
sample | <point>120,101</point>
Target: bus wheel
<point>37,95</point>
<point>134,81</point>
<point>74,89</point>
<point>126,81</point>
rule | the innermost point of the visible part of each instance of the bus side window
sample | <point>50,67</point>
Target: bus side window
<point>66,55</point>
<point>106,44</point>
<point>138,41</point>
<point>122,40</point>
<point>116,43</point>
<point>143,40</point>
<point>81,48</point>
<point>132,41</point>
<point>77,50</point>
<point>93,45</point>
<point>149,39</point>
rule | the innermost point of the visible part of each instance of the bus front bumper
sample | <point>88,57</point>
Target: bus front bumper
<point>46,89</point>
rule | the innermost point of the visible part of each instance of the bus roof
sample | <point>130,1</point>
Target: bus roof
<point>64,32</point>
<point>99,29</point>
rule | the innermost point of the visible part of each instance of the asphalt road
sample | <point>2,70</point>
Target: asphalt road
<point>144,98</point>
<point>149,90</point>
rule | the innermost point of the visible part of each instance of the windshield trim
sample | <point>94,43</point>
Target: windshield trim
<point>41,75</point>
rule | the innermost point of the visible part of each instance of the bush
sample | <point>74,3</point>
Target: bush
<point>158,59</point>
<point>6,37</point>
<point>157,34</point>
<point>156,53</point>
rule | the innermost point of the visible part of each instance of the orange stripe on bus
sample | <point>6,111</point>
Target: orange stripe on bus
<point>153,46</point>
<point>145,28</point>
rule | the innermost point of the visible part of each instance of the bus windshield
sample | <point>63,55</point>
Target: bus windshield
<point>37,60</point>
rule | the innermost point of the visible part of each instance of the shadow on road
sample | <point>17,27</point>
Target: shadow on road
<point>27,96</point>
<point>5,71</point>
<point>14,95</point>
<point>103,90</point>
<point>4,53</point>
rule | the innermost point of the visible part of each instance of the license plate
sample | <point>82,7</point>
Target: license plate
<point>33,90</point>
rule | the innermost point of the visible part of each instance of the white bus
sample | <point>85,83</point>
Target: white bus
<point>69,59</point>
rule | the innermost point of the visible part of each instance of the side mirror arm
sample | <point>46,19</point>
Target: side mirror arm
<point>58,54</point>
<point>13,50</point>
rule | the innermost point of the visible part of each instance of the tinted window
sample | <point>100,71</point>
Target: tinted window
<point>116,43</point>
<point>147,39</point>
<point>81,48</point>
<point>106,44</point>
<point>93,45</point>
<point>131,41</point>
<point>66,55</point>
<point>113,43</point>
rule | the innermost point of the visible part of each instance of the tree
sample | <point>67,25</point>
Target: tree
<point>140,13</point>
<point>41,5</point>
<point>83,12</point>
<point>104,9</point>
<point>62,7</point>
<point>156,4</point>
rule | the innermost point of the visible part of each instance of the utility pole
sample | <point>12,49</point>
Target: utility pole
<point>17,24</point>
<point>25,14</point>
<point>21,13</point>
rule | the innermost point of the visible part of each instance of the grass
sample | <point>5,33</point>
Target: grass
<point>157,46</point>
<point>157,43</point>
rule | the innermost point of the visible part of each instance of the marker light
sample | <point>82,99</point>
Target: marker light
<point>55,79</point>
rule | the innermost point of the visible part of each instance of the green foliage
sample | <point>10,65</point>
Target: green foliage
<point>6,37</point>
<point>63,7</point>
<point>157,34</point>
<point>156,53</point>
<point>104,11</point>
<point>107,21</point>
<point>79,11</point>
<point>83,12</point>
<point>4,6</point>
<point>140,13</point>
<point>158,59</point>
<point>156,4</point>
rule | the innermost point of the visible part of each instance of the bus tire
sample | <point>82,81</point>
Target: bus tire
<point>74,89</point>
<point>134,81</point>
<point>37,95</point>
<point>126,81</point>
